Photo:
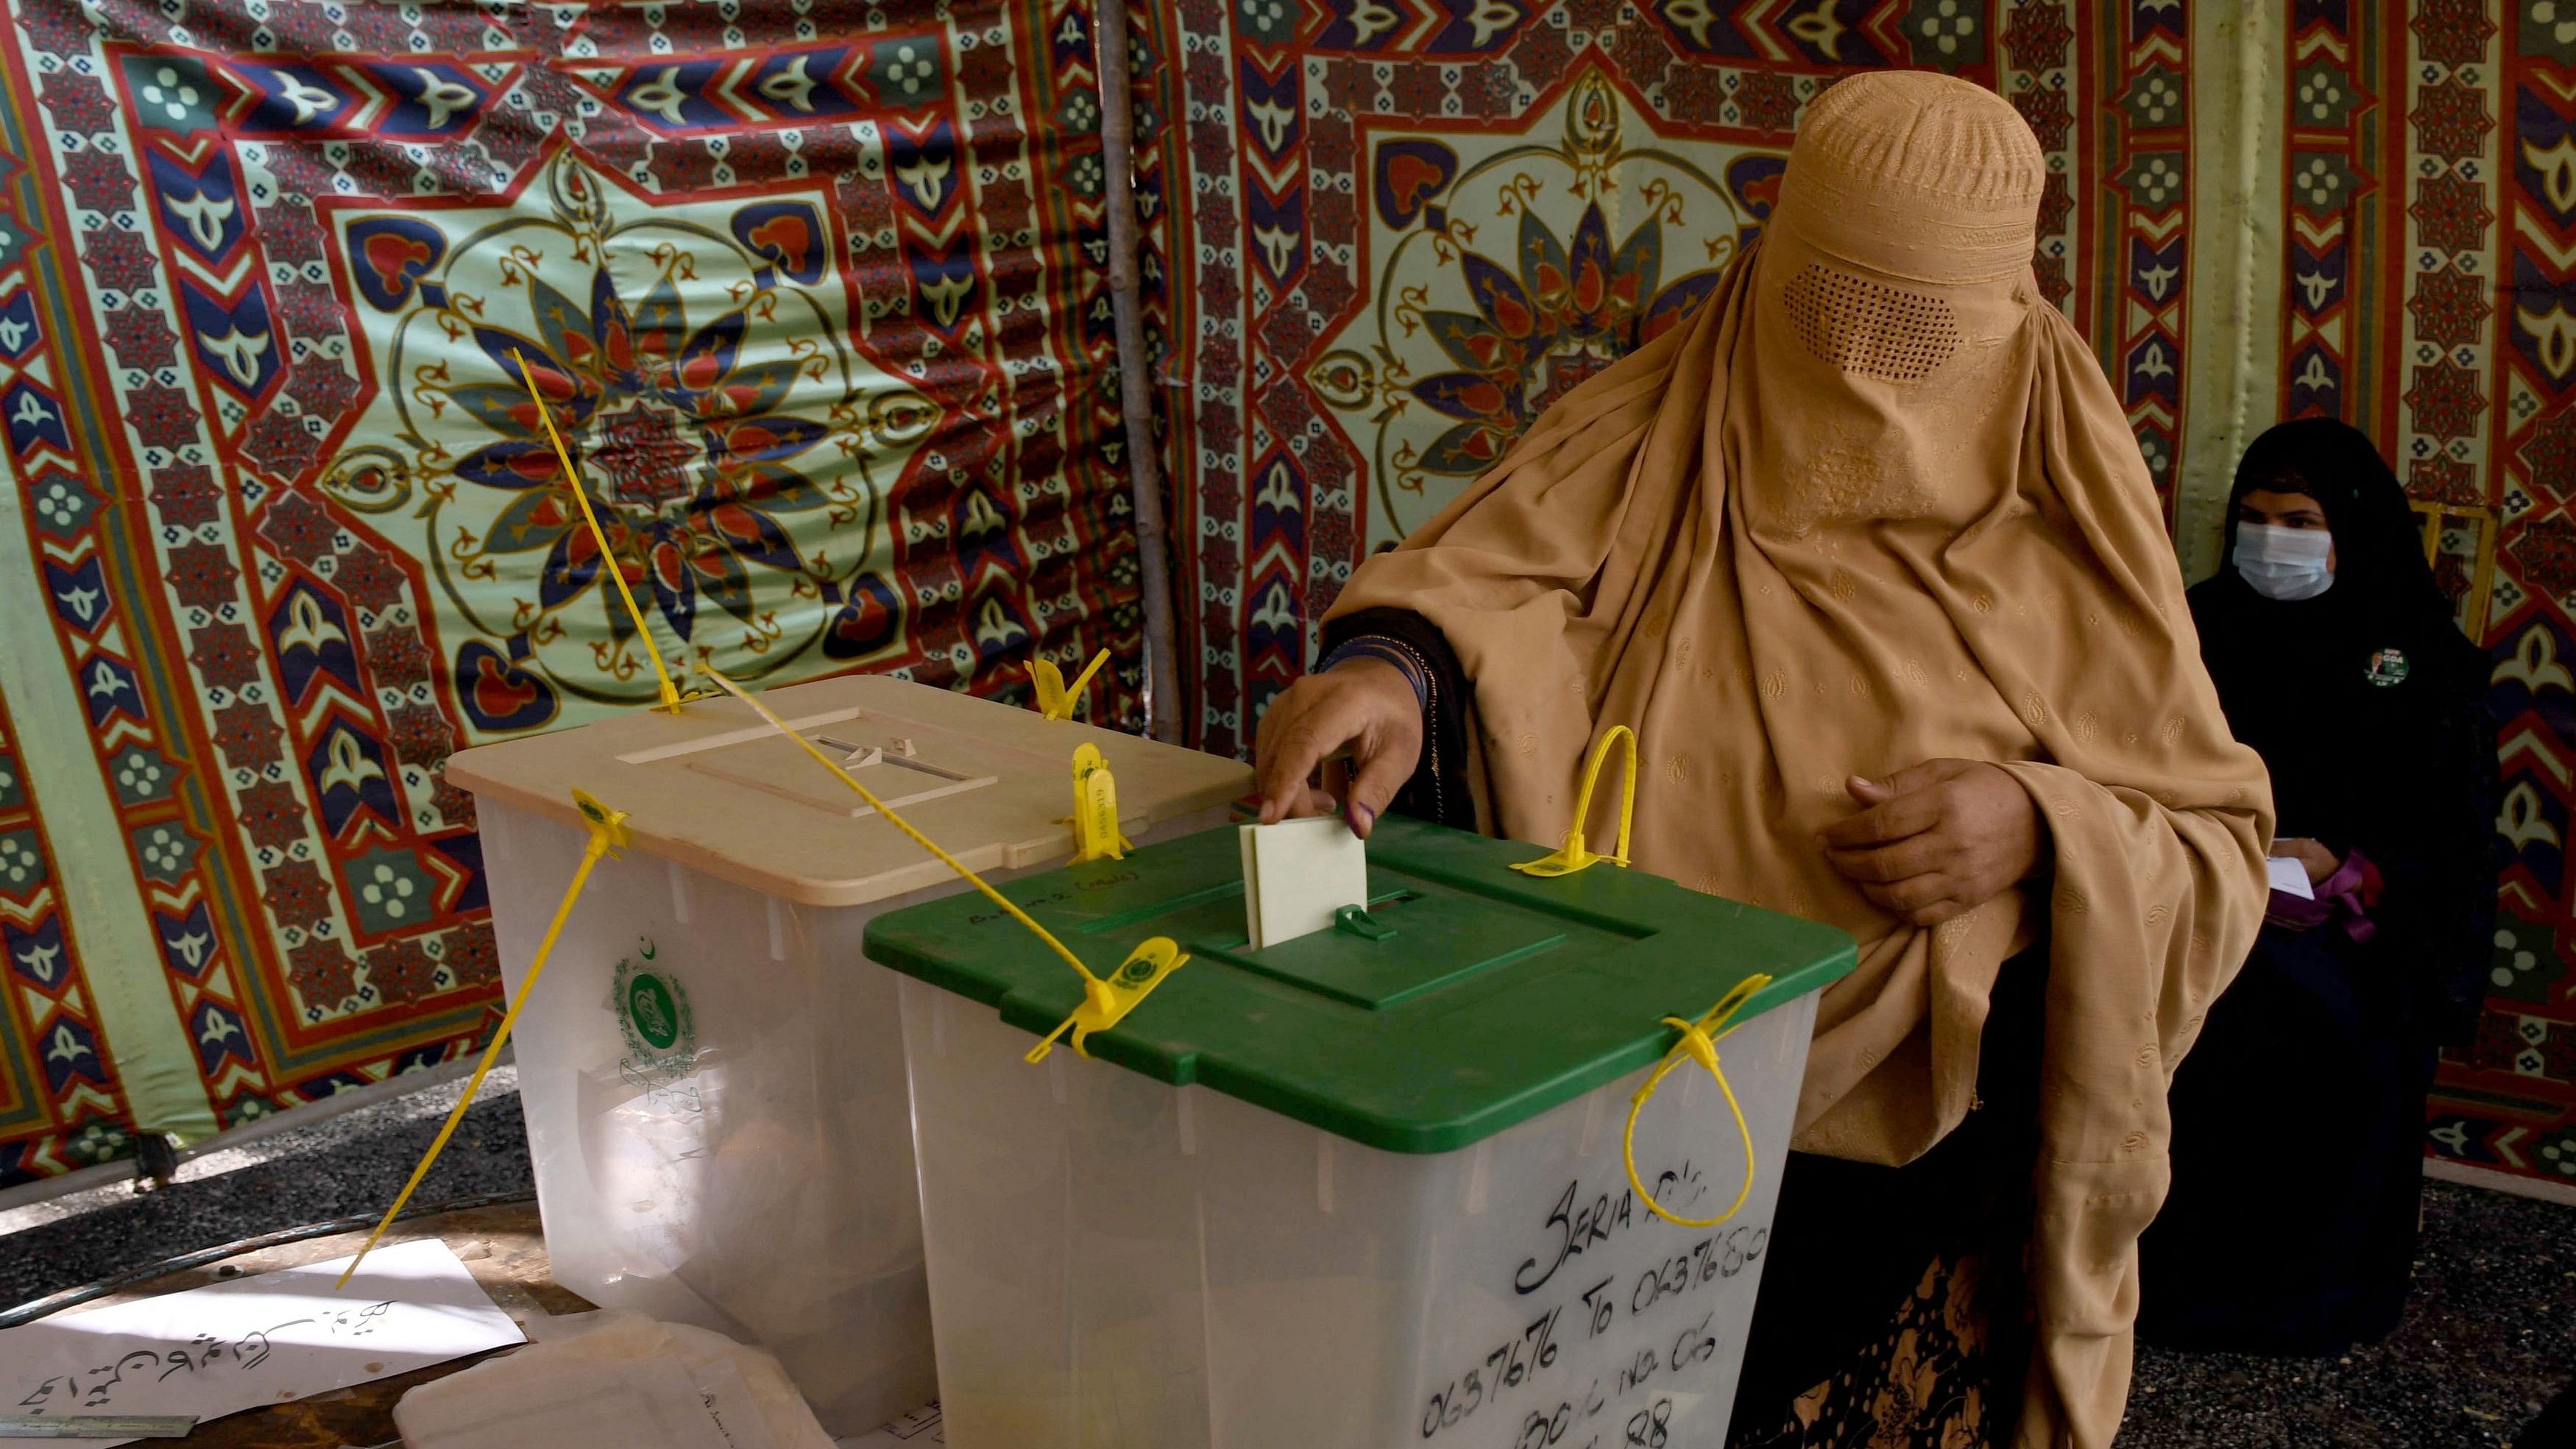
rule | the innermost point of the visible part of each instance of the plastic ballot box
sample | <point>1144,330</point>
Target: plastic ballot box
<point>711,1071</point>
<point>1366,1187</point>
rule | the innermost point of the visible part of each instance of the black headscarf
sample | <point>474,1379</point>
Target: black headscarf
<point>2365,701</point>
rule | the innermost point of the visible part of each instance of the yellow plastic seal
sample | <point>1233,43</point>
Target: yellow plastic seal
<point>1106,1003</point>
<point>1698,1043</point>
<point>1056,699</point>
<point>1572,856</point>
<point>1095,809</point>
<point>607,838</point>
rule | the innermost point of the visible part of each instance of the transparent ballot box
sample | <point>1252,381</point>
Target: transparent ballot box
<point>712,1072</point>
<point>1365,1187</point>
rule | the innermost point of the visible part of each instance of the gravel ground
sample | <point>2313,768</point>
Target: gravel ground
<point>2489,1337</point>
<point>343,1166</point>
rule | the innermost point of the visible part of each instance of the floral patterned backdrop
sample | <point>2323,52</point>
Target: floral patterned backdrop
<point>820,289</point>
<point>1392,230</point>
<point>819,293</point>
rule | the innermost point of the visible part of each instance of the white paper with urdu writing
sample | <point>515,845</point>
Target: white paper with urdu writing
<point>263,1340</point>
<point>2290,878</point>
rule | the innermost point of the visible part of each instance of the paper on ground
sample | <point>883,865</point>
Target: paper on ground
<point>1297,874</point>
<point>913,1431</point>
<point>615,1380</point>
<point>2290,878</point>
<point>264,1340</point>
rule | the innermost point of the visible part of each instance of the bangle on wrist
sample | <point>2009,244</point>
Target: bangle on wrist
<point>1385,651</point>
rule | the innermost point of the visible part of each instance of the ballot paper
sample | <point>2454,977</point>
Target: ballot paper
<point>262,1340</point>
<point>915,1430</point>
<point>614,1380</point>
<point>1297,874</point>
<point>2290,878</point>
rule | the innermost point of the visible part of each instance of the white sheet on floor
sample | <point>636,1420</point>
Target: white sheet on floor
<point>615,1381</point>
<point>262,1340</point>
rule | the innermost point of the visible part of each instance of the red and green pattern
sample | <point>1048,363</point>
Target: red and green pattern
<point>1390,231</point>
<point>2431,299</point>
<point>818,293</point>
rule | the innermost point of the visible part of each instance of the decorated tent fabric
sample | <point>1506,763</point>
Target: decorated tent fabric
<point>817,289</point>
<point>1397,229</point>
<point>2430,191</point>
<point>1393,230</point>
<point>821,288</point>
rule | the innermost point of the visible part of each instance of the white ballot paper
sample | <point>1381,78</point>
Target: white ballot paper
<point>264,1340</point>
<point>2290,878</point>
<point>1297,874</point>
<point>913,1430</point>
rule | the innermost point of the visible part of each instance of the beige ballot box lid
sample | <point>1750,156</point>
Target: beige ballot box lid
<point>714,788</point>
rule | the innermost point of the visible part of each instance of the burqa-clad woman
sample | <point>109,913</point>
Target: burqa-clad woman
<point>1867,556</point>
<point>2299,1119</point>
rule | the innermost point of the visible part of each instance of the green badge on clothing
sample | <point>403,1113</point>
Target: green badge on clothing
<point>2388,667</point>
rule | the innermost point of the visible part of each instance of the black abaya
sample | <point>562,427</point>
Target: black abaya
<point>2299,1113</point>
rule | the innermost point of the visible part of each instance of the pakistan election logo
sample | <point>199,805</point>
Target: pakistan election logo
<point>652,1008</point>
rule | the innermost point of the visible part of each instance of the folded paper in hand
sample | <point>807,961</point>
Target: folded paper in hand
<point>2290,878</point>
<point>1297,874</point>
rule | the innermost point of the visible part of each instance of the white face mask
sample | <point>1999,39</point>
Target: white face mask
<point>2287,564</point>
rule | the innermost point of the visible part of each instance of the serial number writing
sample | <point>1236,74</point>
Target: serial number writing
<point>1651,1427</point>
<point>1575,1229</point>
<point>1713,1259</point>
<point>1507,1367</point>
<point>1708,1260</point>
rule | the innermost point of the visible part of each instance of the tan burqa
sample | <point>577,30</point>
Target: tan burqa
<point>1875,505</point>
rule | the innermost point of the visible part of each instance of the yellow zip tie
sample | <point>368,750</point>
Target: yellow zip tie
<point>899,823</point>
<point>1095,809</point>
<point>1572,856</point>
<point>1055,698</point>
<point>1106,1003</point>
<point>1697,1045</point>
<point>607,838</point>
<point>599,536</point>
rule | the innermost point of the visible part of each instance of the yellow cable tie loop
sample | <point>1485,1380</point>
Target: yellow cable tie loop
<point>1698,1043</point>
<point>1056,698</point>
<point>1106,1003</point>
<point>607,838</point>
<point>1572,856</point>
<point>897,821</point>
<point>599,536</point>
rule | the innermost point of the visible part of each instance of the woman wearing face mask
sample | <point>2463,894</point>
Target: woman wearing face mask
<point>2299,1117</point>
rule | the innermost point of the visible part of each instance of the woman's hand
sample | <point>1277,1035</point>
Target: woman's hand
<point>2321,863</point>
<point>1364,709</point>
<point>1939,839</point>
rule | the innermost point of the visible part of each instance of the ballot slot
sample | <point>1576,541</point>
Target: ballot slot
<point>1433,937</point>
<point>901,771</point>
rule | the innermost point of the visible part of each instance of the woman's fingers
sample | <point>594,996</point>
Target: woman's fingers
<point>1868,792</point>
<point>1276,780</point>
<point>1915,855</point>
<point>1308,801</point>
<point>1381,768</point>
<point>1915,897</point>
<point>1903,816</point>
<point>1364,710</point>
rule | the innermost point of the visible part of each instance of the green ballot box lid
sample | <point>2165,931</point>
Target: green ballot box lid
<point>1469,997</point>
